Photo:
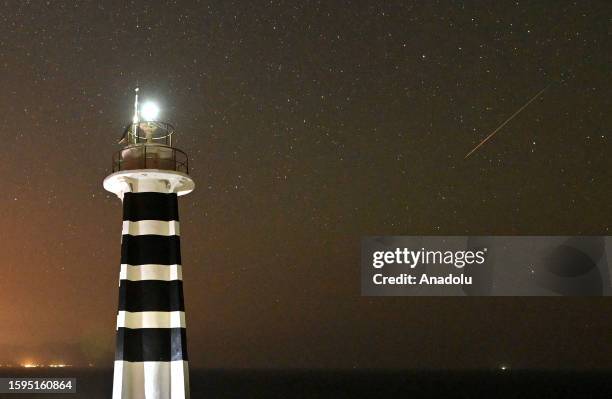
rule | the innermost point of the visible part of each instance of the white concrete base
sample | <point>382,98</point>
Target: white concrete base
<point>151,380</point>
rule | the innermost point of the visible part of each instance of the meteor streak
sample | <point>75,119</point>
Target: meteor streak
<point>505,122</point>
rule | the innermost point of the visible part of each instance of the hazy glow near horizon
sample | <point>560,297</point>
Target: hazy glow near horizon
<point>52,365</point>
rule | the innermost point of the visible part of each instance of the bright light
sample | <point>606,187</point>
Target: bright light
<point>149,111</point>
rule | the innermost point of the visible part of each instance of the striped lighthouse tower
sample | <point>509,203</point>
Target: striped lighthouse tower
<point>148,176</point>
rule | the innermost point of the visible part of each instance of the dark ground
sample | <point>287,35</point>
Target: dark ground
<point>94,384</point>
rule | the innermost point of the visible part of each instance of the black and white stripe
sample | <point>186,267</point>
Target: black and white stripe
<point>151,352</point>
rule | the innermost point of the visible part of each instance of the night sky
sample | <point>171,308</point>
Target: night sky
<point>308,125</point>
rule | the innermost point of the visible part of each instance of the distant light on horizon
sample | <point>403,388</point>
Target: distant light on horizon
<point>59,365</point>
<point>30,365</point>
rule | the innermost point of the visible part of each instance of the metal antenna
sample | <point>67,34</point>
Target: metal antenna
<point>136,117</point>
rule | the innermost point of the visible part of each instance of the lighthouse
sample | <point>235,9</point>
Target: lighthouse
<point>148,175</point>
